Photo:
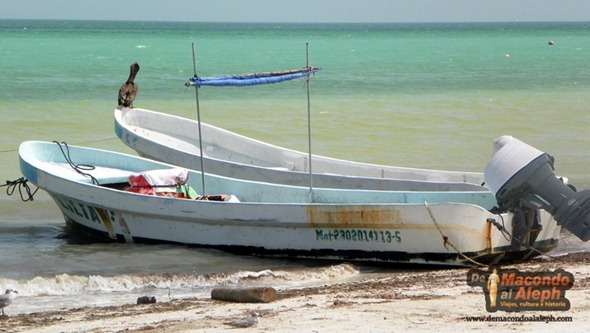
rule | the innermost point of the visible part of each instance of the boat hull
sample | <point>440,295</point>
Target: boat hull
<point>506,254</point>
<point>433,228</point>
<point>399,239</point>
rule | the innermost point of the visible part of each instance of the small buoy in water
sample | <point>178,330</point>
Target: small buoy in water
<point>506,55</point>
<point>550,42</point>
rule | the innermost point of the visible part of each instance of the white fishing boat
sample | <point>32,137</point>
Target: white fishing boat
<point>175,140</point>
<point>92,189</point>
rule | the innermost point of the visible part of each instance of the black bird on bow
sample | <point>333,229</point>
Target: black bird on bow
<point>128,90</point>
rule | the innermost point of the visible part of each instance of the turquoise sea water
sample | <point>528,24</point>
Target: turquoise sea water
<point>417,95</point>
<point>423,95</point>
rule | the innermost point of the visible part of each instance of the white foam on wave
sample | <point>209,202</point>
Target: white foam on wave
<point>288,278</point>
<point>69,291</point>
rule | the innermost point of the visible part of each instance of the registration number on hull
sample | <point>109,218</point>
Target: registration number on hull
<point>358,235</point>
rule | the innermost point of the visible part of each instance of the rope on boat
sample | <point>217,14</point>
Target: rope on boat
<point>499,226</point>
<point>502,228</point>
<point>21,184</point>
<point>447,241</point>
<point>24,190</point>
<point>505,232</point>
<point>77,167</point>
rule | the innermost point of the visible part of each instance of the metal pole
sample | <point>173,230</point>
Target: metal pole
<point>199,122</point>
<point>309,122</point>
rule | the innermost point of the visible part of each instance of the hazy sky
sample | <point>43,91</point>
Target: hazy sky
<point>300,10</point>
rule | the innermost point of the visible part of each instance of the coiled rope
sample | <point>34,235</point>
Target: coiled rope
<point>25,191</point>
<point>23,188</point>
<point>79,168</point>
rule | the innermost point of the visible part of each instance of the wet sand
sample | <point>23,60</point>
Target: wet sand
<point>424,301</point>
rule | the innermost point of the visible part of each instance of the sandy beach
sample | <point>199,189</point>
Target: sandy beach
<point>424,301</point>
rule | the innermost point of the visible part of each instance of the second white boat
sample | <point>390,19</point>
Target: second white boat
<point>175,140</point>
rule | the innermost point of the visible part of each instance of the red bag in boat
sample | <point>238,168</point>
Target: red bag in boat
<point>140,185</point>
<point>157,182</point>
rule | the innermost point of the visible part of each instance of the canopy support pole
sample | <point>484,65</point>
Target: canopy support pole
<point>199,122</point>
<point>309,122</point>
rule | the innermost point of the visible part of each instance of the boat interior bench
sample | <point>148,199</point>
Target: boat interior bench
<point>102,174</point>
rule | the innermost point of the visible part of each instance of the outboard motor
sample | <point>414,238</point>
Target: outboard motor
<point>518,172</point>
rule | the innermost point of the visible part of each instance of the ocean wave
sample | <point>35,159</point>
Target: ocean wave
<point>66,284</point>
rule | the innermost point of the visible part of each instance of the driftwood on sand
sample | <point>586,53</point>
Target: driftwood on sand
<point>245,295</point>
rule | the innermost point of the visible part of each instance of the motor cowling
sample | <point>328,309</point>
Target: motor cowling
<point>518,172</point>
